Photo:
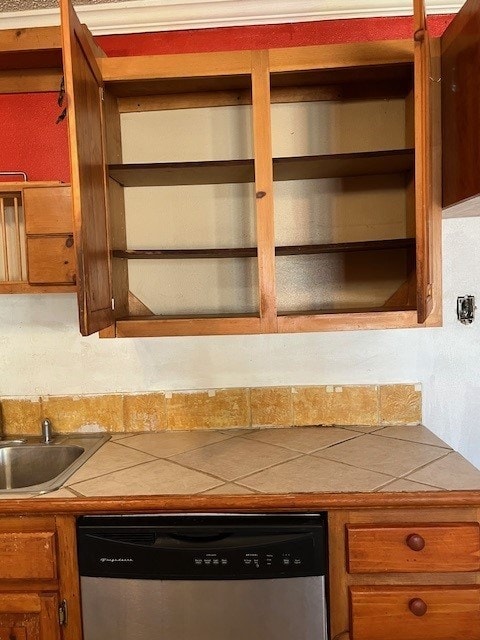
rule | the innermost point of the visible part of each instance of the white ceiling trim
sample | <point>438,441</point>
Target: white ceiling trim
<point>137,16</point>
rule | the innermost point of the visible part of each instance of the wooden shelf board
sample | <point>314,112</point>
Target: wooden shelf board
<point>242,171</point>
<point>343,165</point>
<point>163,326</point>
<point>183,173</point>
<point>251,252</point>
<point>351,310</point>
<point>394,79</point>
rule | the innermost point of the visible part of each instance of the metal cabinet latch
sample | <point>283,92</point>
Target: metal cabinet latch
<point>466,309</point>
<point>63,613</point>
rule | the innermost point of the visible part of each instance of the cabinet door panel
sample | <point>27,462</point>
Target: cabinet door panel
<point>85,120</point>
<point>423,163</point>
<point>29,616</point>
<point>461,109</point>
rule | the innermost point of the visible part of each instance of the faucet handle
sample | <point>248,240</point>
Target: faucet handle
<point>47,430</point>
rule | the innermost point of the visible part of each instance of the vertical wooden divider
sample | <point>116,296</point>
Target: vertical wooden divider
<point>262,142</point>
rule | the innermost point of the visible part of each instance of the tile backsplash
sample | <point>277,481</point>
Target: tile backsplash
<point>369,405</point>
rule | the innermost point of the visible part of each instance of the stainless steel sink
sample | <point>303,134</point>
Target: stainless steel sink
<point>36,467</point>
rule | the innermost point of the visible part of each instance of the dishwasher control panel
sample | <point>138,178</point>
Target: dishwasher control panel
<point>208,549</point>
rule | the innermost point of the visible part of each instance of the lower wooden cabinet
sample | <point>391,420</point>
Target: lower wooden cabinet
<point>405,574</point>
<point>415,612</point>
<point>39,585</point>
<point>29,616</point>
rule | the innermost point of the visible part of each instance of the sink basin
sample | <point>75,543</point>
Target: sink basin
<point>34,467</point>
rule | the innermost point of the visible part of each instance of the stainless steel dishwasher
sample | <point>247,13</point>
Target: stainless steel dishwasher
<point>203,577</point>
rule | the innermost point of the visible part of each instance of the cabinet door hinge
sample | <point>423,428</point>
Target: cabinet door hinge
<point>113,304</point>
<point>63,613</point>
<point>102,94</point>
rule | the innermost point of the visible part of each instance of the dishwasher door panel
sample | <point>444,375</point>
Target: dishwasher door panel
<point>268,609</point>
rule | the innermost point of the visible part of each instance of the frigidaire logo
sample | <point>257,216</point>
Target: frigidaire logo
<point>116,559</point>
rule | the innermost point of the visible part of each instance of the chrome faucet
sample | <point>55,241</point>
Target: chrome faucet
<point>47,431</point>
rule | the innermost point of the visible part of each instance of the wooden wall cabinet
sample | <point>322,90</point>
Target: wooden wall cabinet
<point>36,226</point>
<point>355,268</point>
<point>36,231</point>
<point>38,580</point>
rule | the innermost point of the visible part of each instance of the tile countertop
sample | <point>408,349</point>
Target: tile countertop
<point>271,461</point>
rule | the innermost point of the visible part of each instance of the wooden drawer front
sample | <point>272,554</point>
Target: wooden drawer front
<point>48,210</point>
<point>51,260</point>
<point>384,613</point>
<point>413,548</point>
<point>27,556</point>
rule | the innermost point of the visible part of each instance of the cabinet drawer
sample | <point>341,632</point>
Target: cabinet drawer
<point>51,260</point>
<point>415,613</point>
<point>413,548</point>
<point>27,555</point>
<point>48,210</point>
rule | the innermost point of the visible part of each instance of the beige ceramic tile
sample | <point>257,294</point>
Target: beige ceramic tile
<point>304,439</point>
<point>147,412</point>
<point>309,474</point>
<point>400,404</point>
<point>168,443</point>
<point>413,433</point>
<point>384,455</point>
<point>159,477</point>
<point>452,472</point>
<point>72,413</point>
<point>407,485</point>
<point>112,456</point>
<point>271,407</point>
<point>21,416</point>
<point>234,457</point>
<point>336,405</point>
<point>60,493</point>
<point>209,410</point>
<point>229,489</point>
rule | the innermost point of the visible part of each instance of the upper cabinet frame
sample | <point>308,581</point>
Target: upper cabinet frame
<point>99,88</point>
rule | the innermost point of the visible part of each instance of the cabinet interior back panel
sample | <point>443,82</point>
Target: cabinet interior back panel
<point>317,128</point>
<point>338,281</point>
<point>188,135</point>
<point>191,217</point>
<point>184,287</point>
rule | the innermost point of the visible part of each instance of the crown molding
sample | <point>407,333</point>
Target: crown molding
<point>139,16</point>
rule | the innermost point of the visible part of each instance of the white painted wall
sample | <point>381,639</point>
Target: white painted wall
<point>41,352</point>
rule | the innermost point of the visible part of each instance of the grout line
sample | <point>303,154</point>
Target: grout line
<point>196,448</point>
<point>249,401</point>
<point>431,486</point>
<point>425,465</point>
<point>236,478</point>
<point>425,444</point>
<point>379,406</point>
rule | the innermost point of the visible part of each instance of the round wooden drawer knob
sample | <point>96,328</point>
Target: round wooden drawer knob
<point>418,607</point>
<point>415,542</point>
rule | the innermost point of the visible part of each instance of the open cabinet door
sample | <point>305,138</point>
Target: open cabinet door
<point>423,163</point>
<point>83,85</point>
<point>461,112</point>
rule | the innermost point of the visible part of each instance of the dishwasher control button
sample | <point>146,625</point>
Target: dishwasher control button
<point>224,561</point>
<point>198,561</point>
<point>216,561</point>
<point>286,561</point>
